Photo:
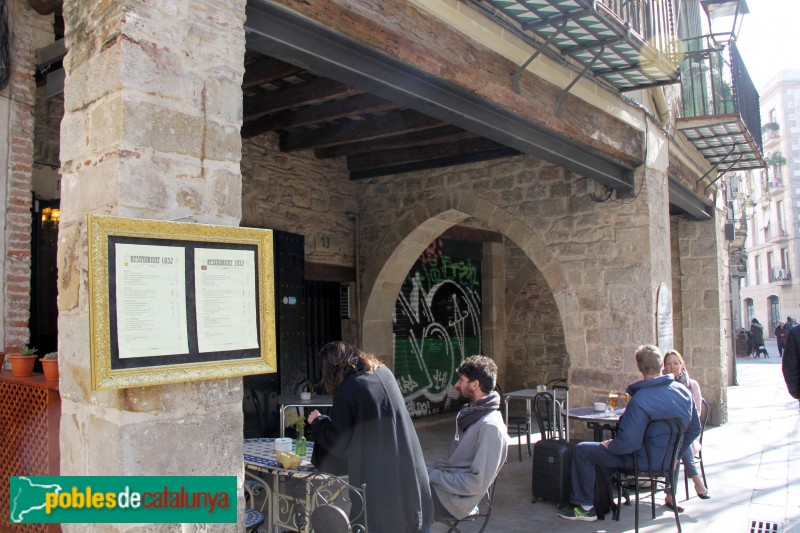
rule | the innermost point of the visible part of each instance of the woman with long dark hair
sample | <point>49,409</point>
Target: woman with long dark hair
<point>369,427</point>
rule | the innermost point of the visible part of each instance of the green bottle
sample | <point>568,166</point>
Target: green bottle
<point>300,446</point>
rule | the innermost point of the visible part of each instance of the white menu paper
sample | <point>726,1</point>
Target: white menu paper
<point>151,300</point>
<point>225,292</point>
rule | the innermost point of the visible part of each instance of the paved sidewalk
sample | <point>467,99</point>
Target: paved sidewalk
<point>747,465</point>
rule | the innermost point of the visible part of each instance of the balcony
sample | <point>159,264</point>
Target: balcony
<point>628,43</point>
<point>782,276</point>
<point>721,115</point>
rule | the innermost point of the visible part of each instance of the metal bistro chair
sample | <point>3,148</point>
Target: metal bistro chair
<point>334,505</point>
<point>659,474</point>
<point>255,515</point>
<point>483,512</point>
<point>548,416</point>
<point>698,457</point>
<point>519,423</point>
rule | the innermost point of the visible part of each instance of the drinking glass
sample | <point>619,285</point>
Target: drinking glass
<point>612,400</point>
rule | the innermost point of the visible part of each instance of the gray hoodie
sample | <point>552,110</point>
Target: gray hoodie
<point>476,456</point>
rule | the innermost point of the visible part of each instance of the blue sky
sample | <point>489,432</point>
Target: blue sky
<point>768,40</point>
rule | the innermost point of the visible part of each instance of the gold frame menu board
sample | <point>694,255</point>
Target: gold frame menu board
<point>173,302</point>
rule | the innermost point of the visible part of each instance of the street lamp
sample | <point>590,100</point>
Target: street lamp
<point>725,16</point>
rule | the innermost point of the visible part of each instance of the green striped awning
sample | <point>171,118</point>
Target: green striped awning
<point>596,37</point>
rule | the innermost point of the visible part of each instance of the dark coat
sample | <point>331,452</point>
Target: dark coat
<point>781,332</point>
<point>791,362</point>
<point>655,399</point>
<point>758,334</point>
<point>370,427</point>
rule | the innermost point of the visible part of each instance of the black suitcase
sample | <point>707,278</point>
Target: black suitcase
<point>550,479</point>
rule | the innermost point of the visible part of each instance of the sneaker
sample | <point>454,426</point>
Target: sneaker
<point>577,513</point>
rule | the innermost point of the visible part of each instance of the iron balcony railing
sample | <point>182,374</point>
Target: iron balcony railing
<point>653,20</point>
<point>715,81</point>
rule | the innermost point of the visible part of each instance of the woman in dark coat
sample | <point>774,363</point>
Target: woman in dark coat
<point>758,338</point>
<point>369,426</point>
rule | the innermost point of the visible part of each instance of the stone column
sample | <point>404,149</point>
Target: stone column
<point>29,32</point>
<point>705,309</point>
<point>614,304</point>
<point>494,311</point>
<point>153,109</point>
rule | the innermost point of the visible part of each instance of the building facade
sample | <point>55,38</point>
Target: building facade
<point>772,210</point>
<point>534,180</point>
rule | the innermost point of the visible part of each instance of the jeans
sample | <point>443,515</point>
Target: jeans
<point>586,456</point>
<point>688,463</point>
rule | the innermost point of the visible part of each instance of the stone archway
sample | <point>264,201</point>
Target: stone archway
<point>384,272</point>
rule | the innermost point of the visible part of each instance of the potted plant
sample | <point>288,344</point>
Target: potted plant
<point>22,363</point>
<point>50,366</point>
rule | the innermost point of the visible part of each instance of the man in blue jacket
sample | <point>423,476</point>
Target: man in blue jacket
<point>655,397</point>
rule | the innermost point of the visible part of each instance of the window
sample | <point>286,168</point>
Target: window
<point>756,270</point>
<point>779,213</point>
<point>770,265</point>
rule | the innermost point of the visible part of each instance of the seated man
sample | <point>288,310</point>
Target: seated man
<point>480,445</point>
<point>655,397</point>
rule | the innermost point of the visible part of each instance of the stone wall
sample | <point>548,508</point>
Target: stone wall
<point>535,348</point>
<point>299,193</point>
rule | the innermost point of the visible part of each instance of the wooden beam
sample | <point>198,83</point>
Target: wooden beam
<point>431,136</point>
<point>328,111</point>
<point>427,164</point>
<point>392,124</point>
<point>313,92</point>
<point>382,158</point>
<point>326,272</point>
<point>267,70</point>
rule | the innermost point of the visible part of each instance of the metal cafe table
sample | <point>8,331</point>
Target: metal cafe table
<point>597,421</point>
<point>287,492</point>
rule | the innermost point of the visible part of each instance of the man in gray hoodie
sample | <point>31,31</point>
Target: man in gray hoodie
<point>480,445</point>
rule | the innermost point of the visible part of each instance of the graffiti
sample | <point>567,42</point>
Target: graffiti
<point>437,324</point>
<point>416,409</point>
<point>406,384</point>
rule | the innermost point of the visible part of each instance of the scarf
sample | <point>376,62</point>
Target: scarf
<point>683,379</point>
<point>474,412</point>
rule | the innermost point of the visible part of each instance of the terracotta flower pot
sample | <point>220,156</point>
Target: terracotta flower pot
<point>50,369</point>
<point>21,365</point>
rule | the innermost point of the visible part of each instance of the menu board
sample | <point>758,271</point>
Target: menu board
<point>173,302</point>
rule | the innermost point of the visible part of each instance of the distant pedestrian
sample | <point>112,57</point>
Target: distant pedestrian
<point>758,338</point>
<point>791,362</point>
<point>781,332</point>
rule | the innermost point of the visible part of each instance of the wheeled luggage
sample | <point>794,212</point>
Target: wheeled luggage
<point>550,479</point>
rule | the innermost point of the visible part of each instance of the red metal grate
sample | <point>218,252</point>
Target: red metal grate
<point>29,418</point>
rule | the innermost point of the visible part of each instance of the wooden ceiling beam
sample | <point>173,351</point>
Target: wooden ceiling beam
<point>431,136</point>
<point>377,127</point>
<point>328,111</point>
<point>382,158</point>
<point>313,92</point>
<point>439,162</point>
<point>267,70</point>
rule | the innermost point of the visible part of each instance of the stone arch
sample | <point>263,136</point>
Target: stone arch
<point>385,270</point>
